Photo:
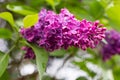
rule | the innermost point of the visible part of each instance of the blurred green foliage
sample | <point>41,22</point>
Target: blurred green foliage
<point>4,59</point>
<point>106,11</point>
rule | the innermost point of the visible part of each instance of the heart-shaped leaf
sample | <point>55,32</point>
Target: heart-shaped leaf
<point>30,20</point>
<point>8,17</point>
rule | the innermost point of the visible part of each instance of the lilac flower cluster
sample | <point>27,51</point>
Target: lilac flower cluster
<point>29,54</point>
<point>54,31</point>
<point>113,44</point>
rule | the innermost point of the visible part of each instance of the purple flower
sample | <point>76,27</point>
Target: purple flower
<point>29,33</point>
<point>89,34</point>
<point>69,24</point>
<point>29,54</point>
<point>55,31</point>
<point>113,45</point>
<point>49,31</point>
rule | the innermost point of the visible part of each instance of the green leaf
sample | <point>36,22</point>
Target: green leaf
<point>58,53</point>
<point>116,72</point>
<point>5,33</point>
<point>30,20</point>
<point>1,54</point>
<point>105,3</point>
<point>113,14</point>
<point>82,78</point>
<point>3,63</point>
<point>116,2</point>
<point>8,17</point>
<point>21,9</point>
<point>41,59</point>
<point>81,13</point>
<point>95,9</point>
<point>36,3</point>
<point>53,2</point>
<point>72,50</point>
<point>5,76</point>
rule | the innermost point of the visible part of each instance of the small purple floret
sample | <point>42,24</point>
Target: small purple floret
<point>29,54</point>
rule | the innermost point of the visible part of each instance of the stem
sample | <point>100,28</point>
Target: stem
<point>11,49</point>
<point>53,7</point>
<point>15,44</point>
<point>16,28</point>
